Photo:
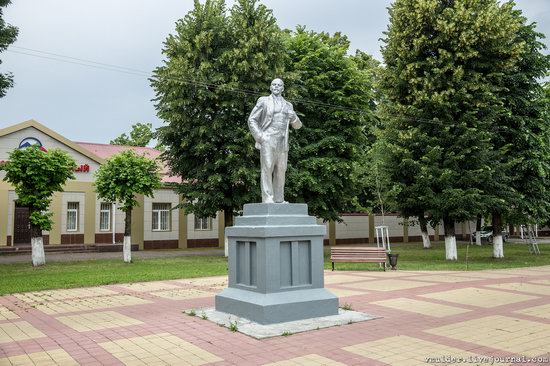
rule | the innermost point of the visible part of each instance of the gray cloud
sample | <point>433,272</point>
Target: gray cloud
<point>95,105</point>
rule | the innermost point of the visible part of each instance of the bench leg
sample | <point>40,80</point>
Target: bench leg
<point>333,266</point>
<point>384,265</point>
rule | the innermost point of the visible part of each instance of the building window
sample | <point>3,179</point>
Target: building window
<point>161,216</point>
<point>105,216</point>
<point>72,216</point>
<point>203,223</point>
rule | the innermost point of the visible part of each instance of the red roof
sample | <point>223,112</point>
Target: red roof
<point>105,151</point>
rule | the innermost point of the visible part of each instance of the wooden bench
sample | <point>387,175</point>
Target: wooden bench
<point>358,255</point>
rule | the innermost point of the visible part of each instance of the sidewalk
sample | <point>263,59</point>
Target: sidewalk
<point>70,257</point>
<point>427,318</point>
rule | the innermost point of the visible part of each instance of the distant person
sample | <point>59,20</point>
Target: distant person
<point>268,123</point>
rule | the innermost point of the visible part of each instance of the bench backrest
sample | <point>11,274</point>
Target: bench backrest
<point>357,252</point>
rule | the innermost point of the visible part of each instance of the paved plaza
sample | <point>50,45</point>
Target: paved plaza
<point>475,318</point>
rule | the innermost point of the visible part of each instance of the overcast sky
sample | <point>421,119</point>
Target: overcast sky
<point>90,104</point>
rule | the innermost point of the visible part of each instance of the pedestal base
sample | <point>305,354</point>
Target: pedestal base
<point>277,307</point>
<point>276,266</point>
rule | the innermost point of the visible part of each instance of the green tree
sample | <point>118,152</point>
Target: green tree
<point>120,179</point>
<point>8,35</point>
<point>444,66</point>
<point>378,188</point>
<point>522,134</point>
<point>214,62</point>
<point>371,68</point>
<point>334,94</point>
<point>546,116</point>
<point>36,176</point>
<point>141,135</point>
<point>410,180</point>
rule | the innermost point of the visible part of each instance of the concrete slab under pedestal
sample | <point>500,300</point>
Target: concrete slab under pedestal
<point>261,331</point>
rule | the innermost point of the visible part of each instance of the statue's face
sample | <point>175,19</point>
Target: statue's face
<point>277,87</point>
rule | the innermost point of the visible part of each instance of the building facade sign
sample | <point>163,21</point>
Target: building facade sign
<point>31,141</point>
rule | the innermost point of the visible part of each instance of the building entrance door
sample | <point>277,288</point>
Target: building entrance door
<point>22,227</point>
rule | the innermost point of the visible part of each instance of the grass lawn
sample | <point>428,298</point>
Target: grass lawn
<point>413,257</point>
<point>22,277</point>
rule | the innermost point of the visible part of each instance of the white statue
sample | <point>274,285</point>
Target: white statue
<point>268,123</point>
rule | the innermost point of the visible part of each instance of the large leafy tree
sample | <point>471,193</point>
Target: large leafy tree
<point>120,179</point>
<point>8,35</point>
<point>444,66</point>
<point>216,65</point>
<point>522,134</point>
<point>36,176</point>
<point>141,135</point>
<point>333,92</point>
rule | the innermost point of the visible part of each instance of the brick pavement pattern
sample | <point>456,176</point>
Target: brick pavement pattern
<point>427,318</point>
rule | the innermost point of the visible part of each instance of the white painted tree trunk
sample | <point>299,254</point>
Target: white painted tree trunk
<point>450,248</point>
<point>37,247</point>
<point>478,238</point>
<point>226,247</point>
<point>127,249</point>
<point>426,240</point>
<point>498,247</point>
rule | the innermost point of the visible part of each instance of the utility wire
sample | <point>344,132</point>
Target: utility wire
<point>78,59</point>
<point>136,72</point>
<point>77,63</point>
<point>131,71</point>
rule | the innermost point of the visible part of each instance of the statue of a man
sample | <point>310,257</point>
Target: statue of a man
<point>269,123</point>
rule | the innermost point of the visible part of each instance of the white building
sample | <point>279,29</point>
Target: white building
<point>80,218</point>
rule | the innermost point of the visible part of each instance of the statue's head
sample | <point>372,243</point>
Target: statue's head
<point>277,87</point>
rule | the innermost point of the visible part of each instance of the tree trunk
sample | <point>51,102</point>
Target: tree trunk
<point>511,229</point>
<point>424,230</point>
<point>228,219</point>
<point>478,229</point>
<point>450,239</point>
<point>498,246</point>
<point>37,246</point>
<point>127,249</point>
<point>380,200</point>
<point>127,244</point>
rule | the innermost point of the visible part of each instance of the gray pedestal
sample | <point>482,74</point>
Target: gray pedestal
<point>276,266</point>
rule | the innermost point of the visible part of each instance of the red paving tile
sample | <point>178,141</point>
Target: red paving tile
<point>164,316</point>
